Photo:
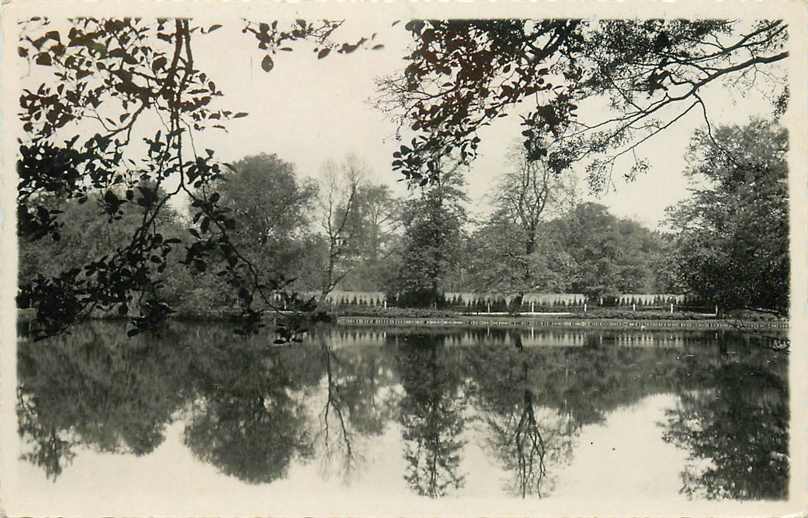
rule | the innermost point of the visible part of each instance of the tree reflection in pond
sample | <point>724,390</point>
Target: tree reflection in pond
<point>249,416</point>
<point>95,387</point>
<point>526,435</point>
<point>735,434</point>
<point>251,429</point>
<point>358,404</point>
<point>255,411</point>
<point>431,416</point>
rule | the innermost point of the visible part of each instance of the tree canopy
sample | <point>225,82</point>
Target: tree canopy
<point>102,85</point>
<point>732,233</point>
<point>433,240</point>
<point>464,74</point>
<point>611,255</point>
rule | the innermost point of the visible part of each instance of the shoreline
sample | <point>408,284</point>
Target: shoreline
<point>545,320</point>
<point>531,322</point>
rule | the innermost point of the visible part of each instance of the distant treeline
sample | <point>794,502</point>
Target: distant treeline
<point>344,240</point>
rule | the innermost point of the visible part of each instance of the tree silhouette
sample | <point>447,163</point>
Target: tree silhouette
<point>464,74</point>
<point>105,82</point>
<point>431,416</point>
<point>736,434</point>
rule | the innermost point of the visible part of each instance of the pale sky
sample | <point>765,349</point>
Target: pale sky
<point>308,110</point>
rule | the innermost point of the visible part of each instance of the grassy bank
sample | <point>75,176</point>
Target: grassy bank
<point>371,315</point>
<point>562,322</point>
<point>592,314</point>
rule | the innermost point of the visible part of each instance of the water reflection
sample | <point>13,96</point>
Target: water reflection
<point>244,418</point>
<point>95,388</point>
<point>735,434</point>
<point>431,415</point>
<point>358,404</point>
<point>256,412</point>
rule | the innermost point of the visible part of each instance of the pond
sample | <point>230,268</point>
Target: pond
<point>196,412</point>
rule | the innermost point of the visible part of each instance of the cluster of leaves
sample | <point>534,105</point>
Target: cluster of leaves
<point>732,234</point>
<point>273,38</point>
<point>104,80</point>
<point>464,74</point>
<point>110,72</point>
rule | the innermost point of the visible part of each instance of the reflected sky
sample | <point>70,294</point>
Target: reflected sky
<point>195,412</point>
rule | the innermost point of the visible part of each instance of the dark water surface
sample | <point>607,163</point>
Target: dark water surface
<point>195,411</point>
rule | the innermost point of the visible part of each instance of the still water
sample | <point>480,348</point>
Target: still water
<point>196,412</point>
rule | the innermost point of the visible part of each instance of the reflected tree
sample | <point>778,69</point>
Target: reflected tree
<point>254,438</point>
<point>355,407</point>
<point>736,435</point>
<point>52,447</point>
<point>526,445</point>
<point>335,409</point>
<point>432,419</point>
<point>97,390</point>
<point>250,417</point>
<point>526,438</point>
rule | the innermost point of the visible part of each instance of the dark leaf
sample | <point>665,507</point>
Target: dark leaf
<point>44,58</point>
<point>159,63</point>
<point>267,64</point>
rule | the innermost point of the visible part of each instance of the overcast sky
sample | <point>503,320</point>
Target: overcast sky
<point>308,110</point>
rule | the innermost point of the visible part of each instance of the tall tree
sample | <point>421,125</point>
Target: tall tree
<point>340,219</point>
<point>530,193</point>
<point>433,239</point>
<point>498,261</point>
<point>101,87</point>
<point>272,211</point>
<point>378,215</point>
<point>732,233</point>
<point>514,251</point>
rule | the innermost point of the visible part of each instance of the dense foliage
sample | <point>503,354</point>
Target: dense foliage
<point>433,241</point>
<point>612,255</point>
<point>732,233</point>
<point>100,87</point>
